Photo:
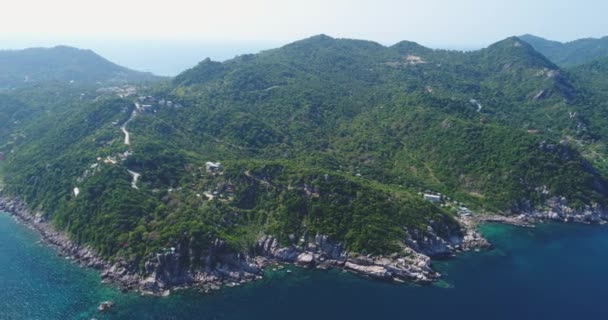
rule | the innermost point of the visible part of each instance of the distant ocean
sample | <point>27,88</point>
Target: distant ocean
<point>552,272</point>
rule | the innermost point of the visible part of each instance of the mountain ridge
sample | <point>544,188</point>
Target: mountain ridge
<point>571,53</point>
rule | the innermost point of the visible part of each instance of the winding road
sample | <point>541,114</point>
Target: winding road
<point>123,128</point>
<point>135,176</point>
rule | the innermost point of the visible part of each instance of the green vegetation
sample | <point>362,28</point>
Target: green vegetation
<point>19,68</point>
<point>572,53</point>
<point>322,136</point>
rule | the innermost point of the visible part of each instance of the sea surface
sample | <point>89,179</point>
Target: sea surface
<point>555,271</point>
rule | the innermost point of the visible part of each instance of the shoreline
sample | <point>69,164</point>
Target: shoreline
<point>412,266</point>
<point>84,256</point>
<point>117,275</point>
<point>236,269</point>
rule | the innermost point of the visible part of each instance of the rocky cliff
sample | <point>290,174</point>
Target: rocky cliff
<point>217,265</point>
<point>559,209</point>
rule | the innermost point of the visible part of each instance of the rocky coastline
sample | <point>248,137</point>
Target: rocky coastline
<point>558,209</point>
<point>59,241</point>
<point>173,269</point>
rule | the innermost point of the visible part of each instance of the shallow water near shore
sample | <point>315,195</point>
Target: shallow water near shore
<point>554,271</point>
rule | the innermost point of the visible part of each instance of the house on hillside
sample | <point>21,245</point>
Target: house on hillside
<point>432,198</point>
<point>213,167</point>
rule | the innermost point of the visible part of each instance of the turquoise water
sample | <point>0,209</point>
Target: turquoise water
<point>551,272</point>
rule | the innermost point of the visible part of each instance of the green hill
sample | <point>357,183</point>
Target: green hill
<point>571,53</point>
<point>20,68</point>
<point>324,136</point>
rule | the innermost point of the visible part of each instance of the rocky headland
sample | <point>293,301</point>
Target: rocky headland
<point>181,267</point>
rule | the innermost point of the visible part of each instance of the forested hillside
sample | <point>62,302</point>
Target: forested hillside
<point>571,53</point>
<point>33,66</point>
<point>323,136</point>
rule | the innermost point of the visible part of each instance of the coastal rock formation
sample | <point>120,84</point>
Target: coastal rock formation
<point>84,255</point>
<point>439,240</point>
<point>217,265</point>
<point>183,266</point>
<point>559,209</point>
<point>321,252</point>
<point>105,306</point>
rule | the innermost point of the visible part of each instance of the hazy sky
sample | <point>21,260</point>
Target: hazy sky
<point>258,24</point>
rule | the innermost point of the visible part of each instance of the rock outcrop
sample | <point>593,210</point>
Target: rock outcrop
<point>217,265</point>
<point>441,240</point>
<point>558,209</point>
<point>321,252</point>
<point>105,306</point>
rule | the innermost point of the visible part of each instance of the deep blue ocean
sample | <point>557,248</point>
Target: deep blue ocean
<point>555,271</point>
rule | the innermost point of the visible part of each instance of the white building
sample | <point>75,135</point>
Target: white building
<point>213,166</point>
<point>432,198</point>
